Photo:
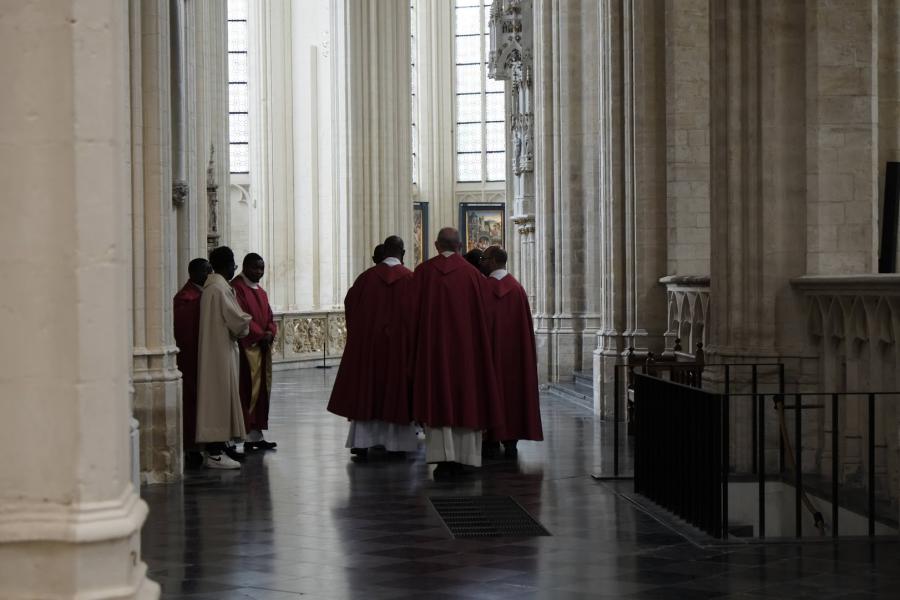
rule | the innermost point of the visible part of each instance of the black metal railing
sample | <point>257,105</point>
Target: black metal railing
<point>682,457</point>
<point>686,373</point>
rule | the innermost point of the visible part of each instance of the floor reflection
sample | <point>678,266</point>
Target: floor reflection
<point>305,520</point>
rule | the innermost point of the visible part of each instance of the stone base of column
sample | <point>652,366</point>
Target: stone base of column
<point>157,407</point>
<point>566,346</point>
<point>542,344</point>
<point>89,550</point>
<point>559,348</point>
<point>605,362</point>
<point>610,349</point>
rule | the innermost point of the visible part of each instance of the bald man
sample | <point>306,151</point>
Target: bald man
<point>455,393</point>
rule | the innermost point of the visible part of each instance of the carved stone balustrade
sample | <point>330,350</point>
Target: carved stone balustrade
<point>687,299</point>
<point>853,321</point>
<point>302,336</point>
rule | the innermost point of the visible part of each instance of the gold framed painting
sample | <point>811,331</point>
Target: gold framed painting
<point>482,225</point>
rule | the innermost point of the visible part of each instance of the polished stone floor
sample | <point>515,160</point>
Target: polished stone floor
<point>306,521</point>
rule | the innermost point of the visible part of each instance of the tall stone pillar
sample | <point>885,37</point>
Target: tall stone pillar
<point>435,65</point>
<point>567,124</point>
<point>157,381</point>
<point>544,304</point>
<point>632,189</point>
<point>376,48</point>
<point>758,175</point>
<point>758,179</point>
<point>70,518</point>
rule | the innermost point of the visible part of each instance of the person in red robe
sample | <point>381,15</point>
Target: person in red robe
<point>256,351</point>
<point>186,305</point>
<point>372,384</point>
<point>455,393</point>
<point>515,354</point>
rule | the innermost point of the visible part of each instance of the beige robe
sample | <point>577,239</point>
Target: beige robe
<point>222,323</point>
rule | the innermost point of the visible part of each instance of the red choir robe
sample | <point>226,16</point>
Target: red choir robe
<point>454,383</point>
<point>256,362</point>
<point>372,382</point>
<point>515,359</point>
<point>187,336</point>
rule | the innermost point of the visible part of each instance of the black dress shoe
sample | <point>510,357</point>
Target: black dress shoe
<point>444,471</point>
<point>510,450</point>
<point>490,449</point>
<point>359,452</point>
<point>193,459</point>
<point>233,454</point>
<point>260,445</point>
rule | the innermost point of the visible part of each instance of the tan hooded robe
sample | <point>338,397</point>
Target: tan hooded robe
<point>222,324</point>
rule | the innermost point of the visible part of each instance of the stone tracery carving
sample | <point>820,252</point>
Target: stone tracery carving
<point>510,59</point>
<point>688,309</point>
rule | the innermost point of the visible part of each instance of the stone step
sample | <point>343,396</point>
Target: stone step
<point>584,382</point>
<point>570,393</point>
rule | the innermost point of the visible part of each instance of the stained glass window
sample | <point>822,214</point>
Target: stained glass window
<point>238,87</point>
<point>480,112</point>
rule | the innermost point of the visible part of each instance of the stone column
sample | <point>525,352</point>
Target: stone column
<point>758,173</point>
<point>206,124</point>
<point>435,119</point>
<point>544,304</point>
<point>379,185</point>
<point>615,162</point>
<point>566,181</point>
<point>157,387</point>
<point>70,518</point>
<point>633,188</point>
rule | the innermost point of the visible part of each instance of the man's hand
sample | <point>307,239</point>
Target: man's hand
<point>267,340</point>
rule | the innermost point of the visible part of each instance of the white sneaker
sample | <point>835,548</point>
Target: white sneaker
<point>220,461</point>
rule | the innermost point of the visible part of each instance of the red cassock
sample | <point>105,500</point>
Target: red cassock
<point>454,384</point>
<point>255,302</point>
<point>187,335</point>
<point>515,358</point>
<point>372,382</point>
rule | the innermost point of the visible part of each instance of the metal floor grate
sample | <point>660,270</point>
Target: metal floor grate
<point>486,516</point>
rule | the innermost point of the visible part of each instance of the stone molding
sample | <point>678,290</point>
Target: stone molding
<point>861,308</point>
<point>869,284</point>
<point>78,522</point>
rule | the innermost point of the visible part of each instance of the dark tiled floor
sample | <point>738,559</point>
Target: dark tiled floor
<point>306,521</point>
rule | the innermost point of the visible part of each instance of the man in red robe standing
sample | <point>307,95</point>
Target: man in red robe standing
<point>256,351</point>
<point>455,391</point>
<point>186,306</point>
<point>515,354</point>
<point>372,384</point>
